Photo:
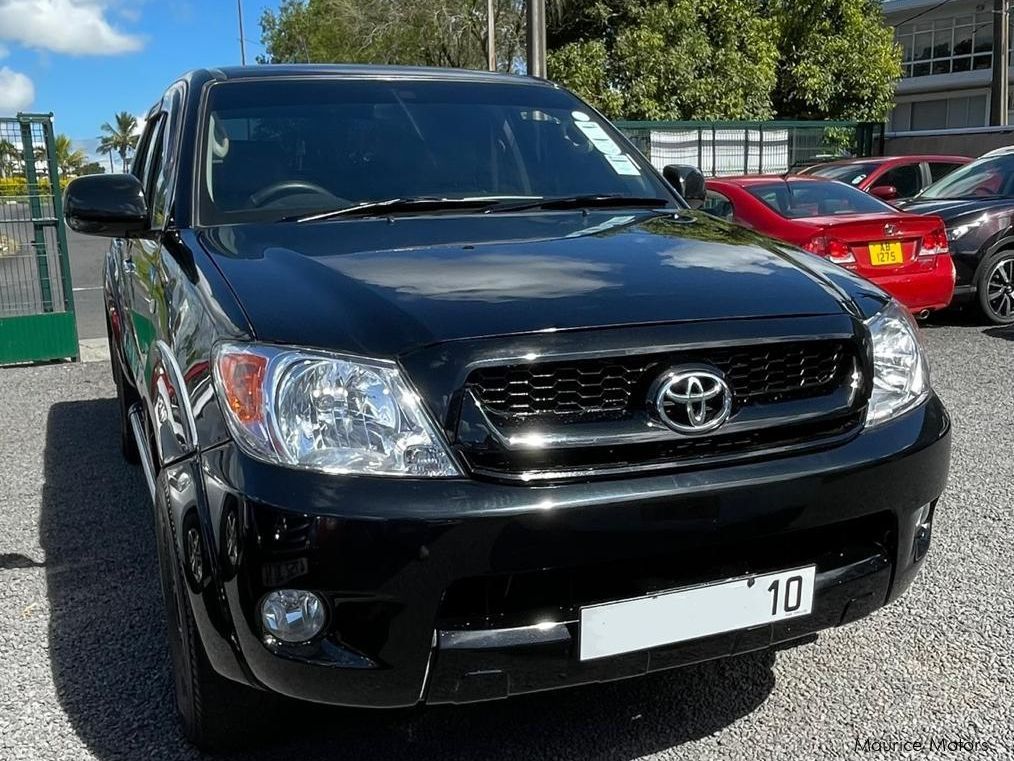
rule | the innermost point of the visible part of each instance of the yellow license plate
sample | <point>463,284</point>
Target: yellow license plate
<point>885,254</point>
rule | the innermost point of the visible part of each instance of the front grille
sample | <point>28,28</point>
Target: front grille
<point>588,389</point>
<point>597,410</point>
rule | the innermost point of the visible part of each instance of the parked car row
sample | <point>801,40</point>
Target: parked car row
<point>949,239</point>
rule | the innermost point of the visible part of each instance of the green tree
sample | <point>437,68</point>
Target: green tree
<point>121,138</point>
<point>435,33</point>
<point>10,159</point>
<point>91,167</point>
<point>68,159</point>
<point>838,60</point>
<point>674,59</point>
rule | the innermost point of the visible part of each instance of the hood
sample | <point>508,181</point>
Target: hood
<point>381,287</point>
<point>951,209</point>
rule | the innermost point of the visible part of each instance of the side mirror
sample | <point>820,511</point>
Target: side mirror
<point>688,182</point>
<point>884,192</point>
<point>111,205</point>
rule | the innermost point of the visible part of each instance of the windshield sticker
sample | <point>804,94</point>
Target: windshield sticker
<point>858,178</point>
<point>623,165</point>
<point>599,138</point>
<point>580,116</point>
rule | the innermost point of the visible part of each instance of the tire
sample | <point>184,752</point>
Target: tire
<point>126,396</point>
<point>995,288</point>
<point>215,713</point>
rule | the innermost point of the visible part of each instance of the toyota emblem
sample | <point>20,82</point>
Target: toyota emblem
<point>692,400</point>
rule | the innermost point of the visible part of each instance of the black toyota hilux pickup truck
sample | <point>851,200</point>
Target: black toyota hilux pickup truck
<point>444,394</point>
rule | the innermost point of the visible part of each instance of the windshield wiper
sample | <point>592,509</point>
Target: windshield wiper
<point>598,201</point>
<point>392,205</point>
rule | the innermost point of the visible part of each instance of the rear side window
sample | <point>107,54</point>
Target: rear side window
<point>800,200</point>
<point>939,169</point>
<point>853,174</point>
<point>906,179</point>
<point>718,205</point>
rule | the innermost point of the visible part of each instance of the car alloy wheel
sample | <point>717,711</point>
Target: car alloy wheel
<point>999,284</point>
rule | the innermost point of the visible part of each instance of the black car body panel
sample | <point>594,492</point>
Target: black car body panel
<point>968,252</point>
<point>371,287</point>
<point>416,571</point>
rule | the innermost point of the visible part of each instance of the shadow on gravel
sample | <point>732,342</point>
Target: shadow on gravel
<point>111,670</point>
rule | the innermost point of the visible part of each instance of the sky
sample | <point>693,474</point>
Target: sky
<point>86,60</point>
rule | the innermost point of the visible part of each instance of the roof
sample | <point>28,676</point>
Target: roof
<point>357,71</point>
<point>763,179</point>
<point>888,159</point>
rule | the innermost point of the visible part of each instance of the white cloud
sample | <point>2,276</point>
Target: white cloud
<point>16,91</point>
<point>77,27</point>
<point>4,52</point>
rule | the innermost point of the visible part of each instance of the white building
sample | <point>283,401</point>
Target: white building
<point>947,62</point>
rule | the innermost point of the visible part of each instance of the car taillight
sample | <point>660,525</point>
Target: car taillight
<point>934,243</point>
<point>832,249</point>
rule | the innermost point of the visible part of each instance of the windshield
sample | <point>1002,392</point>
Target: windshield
<point>803,199</point>
<point>275,149</point>
<point>853,174</point>
<point>980,179</point>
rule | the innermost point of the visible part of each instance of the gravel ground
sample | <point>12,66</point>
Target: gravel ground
<point>85,667</point>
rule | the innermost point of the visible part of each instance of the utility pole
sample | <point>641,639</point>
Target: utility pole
<point>490,35</point>
<point>998,99</point>
<point>242,40</point>
<point>536,27</point>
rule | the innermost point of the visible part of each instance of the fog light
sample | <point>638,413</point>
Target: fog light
<point>292,615</point>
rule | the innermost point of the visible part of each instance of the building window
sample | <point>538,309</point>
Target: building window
<point>940,113</point>
<point>947,45</point>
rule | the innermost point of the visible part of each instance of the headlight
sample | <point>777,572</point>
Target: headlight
<point>326,412</point>
<point>900,371</point>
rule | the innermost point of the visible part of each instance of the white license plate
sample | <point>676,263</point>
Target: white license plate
<point>685,614</point>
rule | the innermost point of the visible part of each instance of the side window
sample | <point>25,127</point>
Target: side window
<point>164,173</point>
<point>718,205</point>
<point>938,169</point>
<point>152,161</point>
<point>142,152</point>
<point>906,178</point>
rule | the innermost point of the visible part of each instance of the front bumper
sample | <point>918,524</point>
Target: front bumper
<point>418,572</point>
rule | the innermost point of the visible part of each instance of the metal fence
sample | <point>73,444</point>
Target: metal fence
<point>727,148</point>
<point>36,296</point>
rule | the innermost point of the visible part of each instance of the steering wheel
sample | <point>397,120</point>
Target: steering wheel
<point>287,187</point>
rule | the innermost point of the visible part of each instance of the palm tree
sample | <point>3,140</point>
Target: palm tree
<point>123,137</point>
<point>68,159</point>
<point>107,148</point>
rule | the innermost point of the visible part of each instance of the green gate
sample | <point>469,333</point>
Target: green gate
<point>36,297</point>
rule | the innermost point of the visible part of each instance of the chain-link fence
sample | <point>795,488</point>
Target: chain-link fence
<point>729,148</point>
<point>36,297</point>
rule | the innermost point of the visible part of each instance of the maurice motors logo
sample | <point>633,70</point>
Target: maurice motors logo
<point>929,745</point>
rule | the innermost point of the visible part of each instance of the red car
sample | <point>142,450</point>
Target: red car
<point>905,254</point>
<point>889,177</point>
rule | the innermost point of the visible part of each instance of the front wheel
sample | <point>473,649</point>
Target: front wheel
<point>996,288</point>
<point>215,713</point>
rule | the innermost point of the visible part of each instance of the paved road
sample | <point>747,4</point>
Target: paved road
<point>84,666</point>
<point>86,254</point>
